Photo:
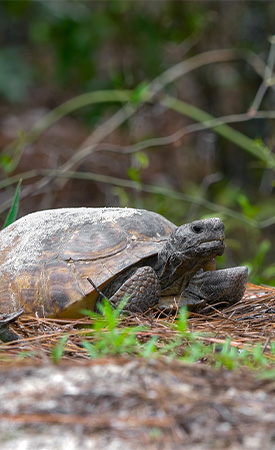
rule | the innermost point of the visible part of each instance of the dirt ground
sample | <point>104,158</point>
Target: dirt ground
<point>115,403</point>
<point>132,404</point>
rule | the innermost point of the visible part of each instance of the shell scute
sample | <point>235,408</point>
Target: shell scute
<point>94,241</point>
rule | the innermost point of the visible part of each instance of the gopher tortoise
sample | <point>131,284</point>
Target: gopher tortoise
<point>47,256</point>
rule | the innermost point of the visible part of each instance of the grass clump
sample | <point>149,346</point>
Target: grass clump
<point>108,336</point>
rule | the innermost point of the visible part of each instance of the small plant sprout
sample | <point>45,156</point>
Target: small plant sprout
<point>59,348</point>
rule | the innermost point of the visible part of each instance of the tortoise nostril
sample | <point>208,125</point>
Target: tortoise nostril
<point>197,228</point>
<point>219,226</point>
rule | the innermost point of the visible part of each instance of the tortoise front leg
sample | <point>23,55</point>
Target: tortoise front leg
<point>223,287</point>
<point>142,289</point>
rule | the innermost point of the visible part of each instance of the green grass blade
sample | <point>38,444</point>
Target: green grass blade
<point>11,217</point>
<point>150,347</point>
<point>91,349</point>
<point>59,348</point>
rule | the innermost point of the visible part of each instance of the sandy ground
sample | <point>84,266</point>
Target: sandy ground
<point>134,404</point>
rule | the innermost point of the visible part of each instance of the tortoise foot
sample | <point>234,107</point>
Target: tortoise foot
<point>222,287</point>
<point>142,289</point>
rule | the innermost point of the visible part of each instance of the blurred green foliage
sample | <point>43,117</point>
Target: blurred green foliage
<point>66,48</point>
<point>70,35</point>
<point>16,75</point>
<point>12,215</point>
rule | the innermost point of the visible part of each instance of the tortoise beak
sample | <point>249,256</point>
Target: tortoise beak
<point>213,247</point>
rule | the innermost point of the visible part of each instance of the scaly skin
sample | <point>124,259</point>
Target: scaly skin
<point>220,287</point>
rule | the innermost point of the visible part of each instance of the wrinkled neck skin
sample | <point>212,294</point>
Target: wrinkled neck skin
<point>175,272</point>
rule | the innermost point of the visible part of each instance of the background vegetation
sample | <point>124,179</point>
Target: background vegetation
<point>115,103</point>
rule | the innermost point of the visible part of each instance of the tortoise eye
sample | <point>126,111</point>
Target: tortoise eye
<point>197,228</point>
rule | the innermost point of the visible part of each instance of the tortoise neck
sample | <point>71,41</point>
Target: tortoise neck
<point>172,274</point>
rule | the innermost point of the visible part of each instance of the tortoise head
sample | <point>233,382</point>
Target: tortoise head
<point>189,248</point>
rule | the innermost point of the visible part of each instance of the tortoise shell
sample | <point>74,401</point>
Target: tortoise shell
<point>46,257</point>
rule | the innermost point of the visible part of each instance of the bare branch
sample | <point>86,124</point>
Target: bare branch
<point>182,132</point>
<point>266,83</point>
